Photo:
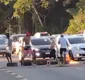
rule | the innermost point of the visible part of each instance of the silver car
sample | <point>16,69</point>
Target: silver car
<point>3,46</point>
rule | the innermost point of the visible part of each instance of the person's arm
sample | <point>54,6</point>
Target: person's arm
<point>67,44</point>
<point>24,39</point>
<point>59,41</point>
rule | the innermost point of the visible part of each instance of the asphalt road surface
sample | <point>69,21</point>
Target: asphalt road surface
<point>41,72</point>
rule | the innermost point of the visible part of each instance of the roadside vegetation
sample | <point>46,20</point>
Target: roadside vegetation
<point>53,16</point>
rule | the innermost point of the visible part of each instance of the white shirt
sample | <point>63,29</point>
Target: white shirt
<point>63,42</point>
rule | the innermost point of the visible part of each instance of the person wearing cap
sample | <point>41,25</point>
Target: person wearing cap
<point>27,42</point>
<point>27,38</point>
<point>63,46</point>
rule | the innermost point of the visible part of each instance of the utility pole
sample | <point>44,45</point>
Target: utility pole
<point>9,30</point>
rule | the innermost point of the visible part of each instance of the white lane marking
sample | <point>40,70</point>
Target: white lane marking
<point>8,71</point>
<point>79,68</point>
<point>3,69</point>
<point>19,77</point>
<point>13,74</point>
<point>24,79</point>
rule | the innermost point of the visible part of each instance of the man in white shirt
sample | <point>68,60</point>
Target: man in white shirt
<point>9,49</point>
<point>63,45</point>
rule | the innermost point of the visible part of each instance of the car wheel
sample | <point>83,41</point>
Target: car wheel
<point>71,55</point>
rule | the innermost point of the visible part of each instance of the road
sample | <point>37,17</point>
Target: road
<point>41,72</point>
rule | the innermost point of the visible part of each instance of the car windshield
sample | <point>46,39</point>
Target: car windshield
<point>2,42</point>
<point>41,42</point>
<point>44,34</point>
<point>76,40</point>
<point>3,36</point>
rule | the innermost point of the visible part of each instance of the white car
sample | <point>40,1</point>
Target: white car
<point>76,46</point>
<point>14,39</point>
<point>43,34</point>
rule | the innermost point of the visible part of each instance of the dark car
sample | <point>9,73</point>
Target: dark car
<point>41,47</point>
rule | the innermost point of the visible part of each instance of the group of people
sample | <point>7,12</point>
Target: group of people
<point>25,45</point>
<point>63,47</point>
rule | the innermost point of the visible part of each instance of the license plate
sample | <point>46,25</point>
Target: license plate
<point>47,53</point>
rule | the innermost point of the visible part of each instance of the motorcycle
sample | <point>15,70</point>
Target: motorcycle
<point>26,55</point>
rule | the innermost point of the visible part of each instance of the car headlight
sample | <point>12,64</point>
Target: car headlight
<point>37,54</point>
<point>77,55</point>
<point>36,49</point>
<point>7,48</point>
<point>69,48</point>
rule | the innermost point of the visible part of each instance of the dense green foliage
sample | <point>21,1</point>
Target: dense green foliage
<point>41,15</point>
<point>77,24</point>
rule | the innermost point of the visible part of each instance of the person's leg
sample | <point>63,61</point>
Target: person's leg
<point>7,57</point>
<point>23,55</point>
<point>54,54</point>
<point>10,58</point>
<point>64,55</point>
<point>61,55</point>
<point>22,60</point>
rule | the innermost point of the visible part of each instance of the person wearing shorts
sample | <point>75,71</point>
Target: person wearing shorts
<point>9,49</point>
<point>63,47</point>
<point>27,41</point>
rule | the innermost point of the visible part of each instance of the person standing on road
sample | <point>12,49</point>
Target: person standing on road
<point>20,46</point>
<point>53,49</point>
<point>27,42</point>
<point>63,47</point>
<point>9,49</point>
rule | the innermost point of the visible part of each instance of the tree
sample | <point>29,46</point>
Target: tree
<point>47,11</point>
<point>79,18</point>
